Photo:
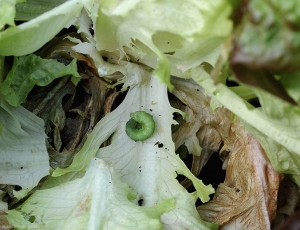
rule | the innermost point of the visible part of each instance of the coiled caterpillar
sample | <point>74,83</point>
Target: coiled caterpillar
<point>141,126</point>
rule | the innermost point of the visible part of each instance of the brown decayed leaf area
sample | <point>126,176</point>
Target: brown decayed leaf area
<point>200,131</point>
<point>69,111</point>
<point>248,197</point>
<point>250,189</point>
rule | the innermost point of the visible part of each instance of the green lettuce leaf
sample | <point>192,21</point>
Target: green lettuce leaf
<point>23,153</point>
<point>32,35</point>
<point>31,70</point>
<point>282,160</point>
<point>8,12</point>
<point>286,118</point>
<point>291,83</point>
<point>182,31</point>
<point>98,200</point>
<point>149,167</point>
<point>270,126</point>
<point>275,124</point>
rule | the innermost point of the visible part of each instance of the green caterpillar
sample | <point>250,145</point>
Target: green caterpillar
<point>141,126</point>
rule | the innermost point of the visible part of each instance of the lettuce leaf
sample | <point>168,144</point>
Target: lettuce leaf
<point>276,129</point>
<point>23,153</point>
<point>148,167</point>
<point>8,12</point>
<point>31,70</point>
<point>36,32</point>
<point>84,203</point>
<point>266,42</point>
<point>169,31</point>
<point>32,8</point>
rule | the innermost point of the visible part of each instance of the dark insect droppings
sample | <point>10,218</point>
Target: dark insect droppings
<point>91,31</point>
<point>140,202</point>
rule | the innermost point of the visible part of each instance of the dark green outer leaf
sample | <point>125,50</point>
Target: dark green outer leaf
<point>31,70</point>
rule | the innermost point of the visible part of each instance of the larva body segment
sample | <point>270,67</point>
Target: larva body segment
<point>141,126</point>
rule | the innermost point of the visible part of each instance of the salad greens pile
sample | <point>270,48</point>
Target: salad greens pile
<point>113,181</point>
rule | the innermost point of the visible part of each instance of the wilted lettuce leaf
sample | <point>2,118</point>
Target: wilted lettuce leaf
<point>250,189</point>
<point>31,70</point>
<point>276,124</point>
<point>202,131</point>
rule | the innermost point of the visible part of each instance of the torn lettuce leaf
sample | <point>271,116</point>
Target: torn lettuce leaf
<point>31,70</point>
<point>169,30</point>
<point>99,186</point>
<point>98,200</point>
<point>149,167</point>
<point>23,153</point>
